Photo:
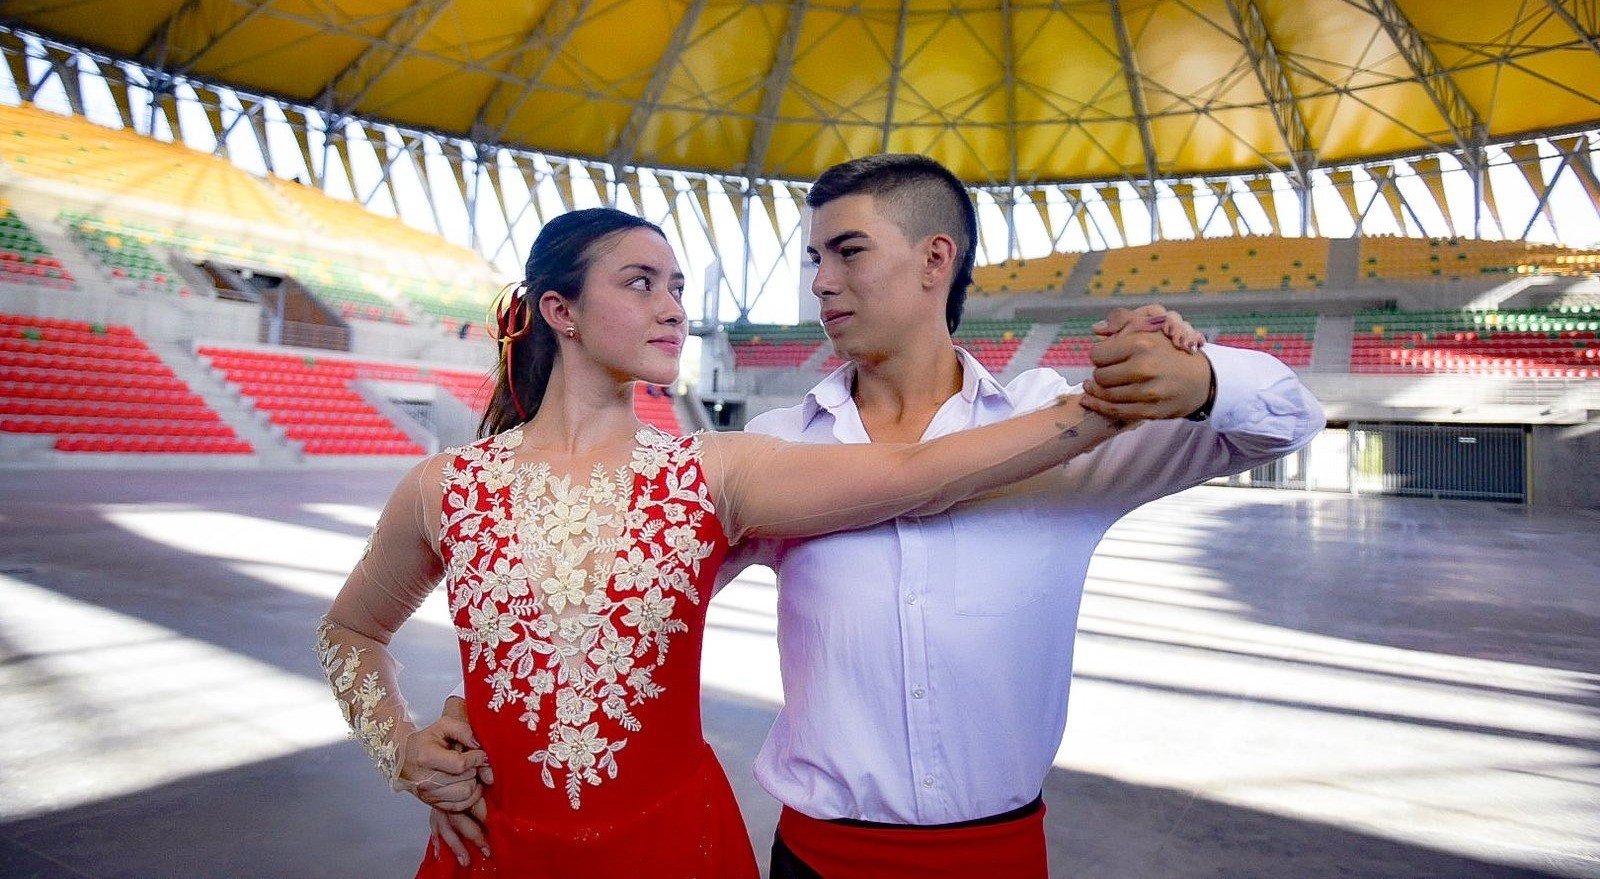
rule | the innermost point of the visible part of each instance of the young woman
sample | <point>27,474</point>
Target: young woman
<point>578,550</point>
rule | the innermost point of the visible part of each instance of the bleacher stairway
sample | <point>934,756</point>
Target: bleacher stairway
<point>61,246</point>
<point>1077,283</point>
<point>1332,350</point>
<point>1344,263</point>
<point>26,450</point>
<point>1033,346</point>
<point>818,357</point>
<point>268,444</point>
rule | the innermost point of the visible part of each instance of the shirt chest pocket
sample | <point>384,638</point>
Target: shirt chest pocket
<point>997,559</point>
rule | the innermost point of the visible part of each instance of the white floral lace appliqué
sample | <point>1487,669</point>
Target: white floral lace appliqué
<point>359,694</point>
<point>569,590</point>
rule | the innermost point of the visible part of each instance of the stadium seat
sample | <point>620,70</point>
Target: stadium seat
<point>1397,258</point>
<point>23,257</point>
<point>124,252</point>
<point>1045,275</point>
<point>73,150</point>
<point>993,342</point>
<point>1291,337</point>
<point>421,273</point>
<point>654,407</point>
<point>1071,346</point>
<point>1521,344</point>
<point>1213,265</point>
<point>99,388</point>
<point>310,398</point>
<point>773,346</point>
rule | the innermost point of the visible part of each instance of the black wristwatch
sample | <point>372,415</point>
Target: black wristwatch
<point>1204,412</point>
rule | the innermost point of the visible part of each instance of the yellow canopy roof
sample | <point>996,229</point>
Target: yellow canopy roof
<point>1025,92</point>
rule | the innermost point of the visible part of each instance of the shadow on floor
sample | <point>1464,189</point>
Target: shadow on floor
<point>324,813</point>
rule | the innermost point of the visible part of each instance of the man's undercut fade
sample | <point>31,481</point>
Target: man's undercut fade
<point>920,196</point>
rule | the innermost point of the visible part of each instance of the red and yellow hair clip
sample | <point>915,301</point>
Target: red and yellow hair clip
<point>510,318</point>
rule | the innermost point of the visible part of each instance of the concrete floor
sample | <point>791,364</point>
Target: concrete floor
<point>1269,684</point>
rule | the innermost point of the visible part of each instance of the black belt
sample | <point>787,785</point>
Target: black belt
<point>1003,817</point>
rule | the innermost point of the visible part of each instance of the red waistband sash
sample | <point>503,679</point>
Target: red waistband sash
<point>1008,850</point>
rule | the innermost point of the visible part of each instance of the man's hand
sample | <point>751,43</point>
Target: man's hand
<point>456,830</point>
<point>1141,374</point>
<point>443,763</point>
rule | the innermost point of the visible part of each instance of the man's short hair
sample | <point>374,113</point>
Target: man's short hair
<point>922,197</point>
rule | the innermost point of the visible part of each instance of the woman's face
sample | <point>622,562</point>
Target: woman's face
<point>630,318</point>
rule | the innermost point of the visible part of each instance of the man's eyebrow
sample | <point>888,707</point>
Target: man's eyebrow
<point>834,242</point>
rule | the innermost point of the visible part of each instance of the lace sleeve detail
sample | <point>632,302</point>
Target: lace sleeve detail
<point>397,570</point>
<point>362,696</point>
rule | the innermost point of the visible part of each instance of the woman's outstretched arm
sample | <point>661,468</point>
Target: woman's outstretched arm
<point>397,570</point>
<point>765,487</point>
<point>768,488</point>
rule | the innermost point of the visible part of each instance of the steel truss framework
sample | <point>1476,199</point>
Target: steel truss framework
<point>519,189</point>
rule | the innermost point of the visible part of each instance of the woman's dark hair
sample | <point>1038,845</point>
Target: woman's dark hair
<point>559,261</point>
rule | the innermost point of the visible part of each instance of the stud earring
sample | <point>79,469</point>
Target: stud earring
<point>572,332</point>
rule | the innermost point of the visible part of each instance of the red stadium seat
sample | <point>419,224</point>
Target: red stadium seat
<point>99,388</point>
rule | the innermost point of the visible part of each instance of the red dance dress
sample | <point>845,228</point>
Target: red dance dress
<point>579,600</point>
<point>580,608</point>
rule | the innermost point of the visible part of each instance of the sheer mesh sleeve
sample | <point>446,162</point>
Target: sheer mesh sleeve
<point>397,570</point>
<point>766,487</point>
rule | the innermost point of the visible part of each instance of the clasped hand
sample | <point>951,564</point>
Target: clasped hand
<point>445,767</point>
<point>1147,366</point>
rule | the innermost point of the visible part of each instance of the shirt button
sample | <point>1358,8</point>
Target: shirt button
<point>911,598</point>
<point>927,781</point>
<point>918,693</point>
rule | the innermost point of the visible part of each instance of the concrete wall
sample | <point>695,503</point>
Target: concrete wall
<point>480,354</point>
<point>156,318</point>
<point>1564,465</point>
<point>395,342</point>
<point>221,321</point>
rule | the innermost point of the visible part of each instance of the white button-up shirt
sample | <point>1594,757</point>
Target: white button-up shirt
<point>926,661</point>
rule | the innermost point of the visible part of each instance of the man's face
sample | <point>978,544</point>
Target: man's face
<point>869,278</point>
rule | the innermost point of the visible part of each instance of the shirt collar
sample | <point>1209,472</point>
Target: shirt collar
<point>976,381</point>
<point>833,393</point>
<point>829,394</point>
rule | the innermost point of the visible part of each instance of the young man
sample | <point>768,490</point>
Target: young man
<point>926,662</point>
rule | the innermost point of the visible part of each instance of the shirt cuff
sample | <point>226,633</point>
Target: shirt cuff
<point>1241,377</point>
